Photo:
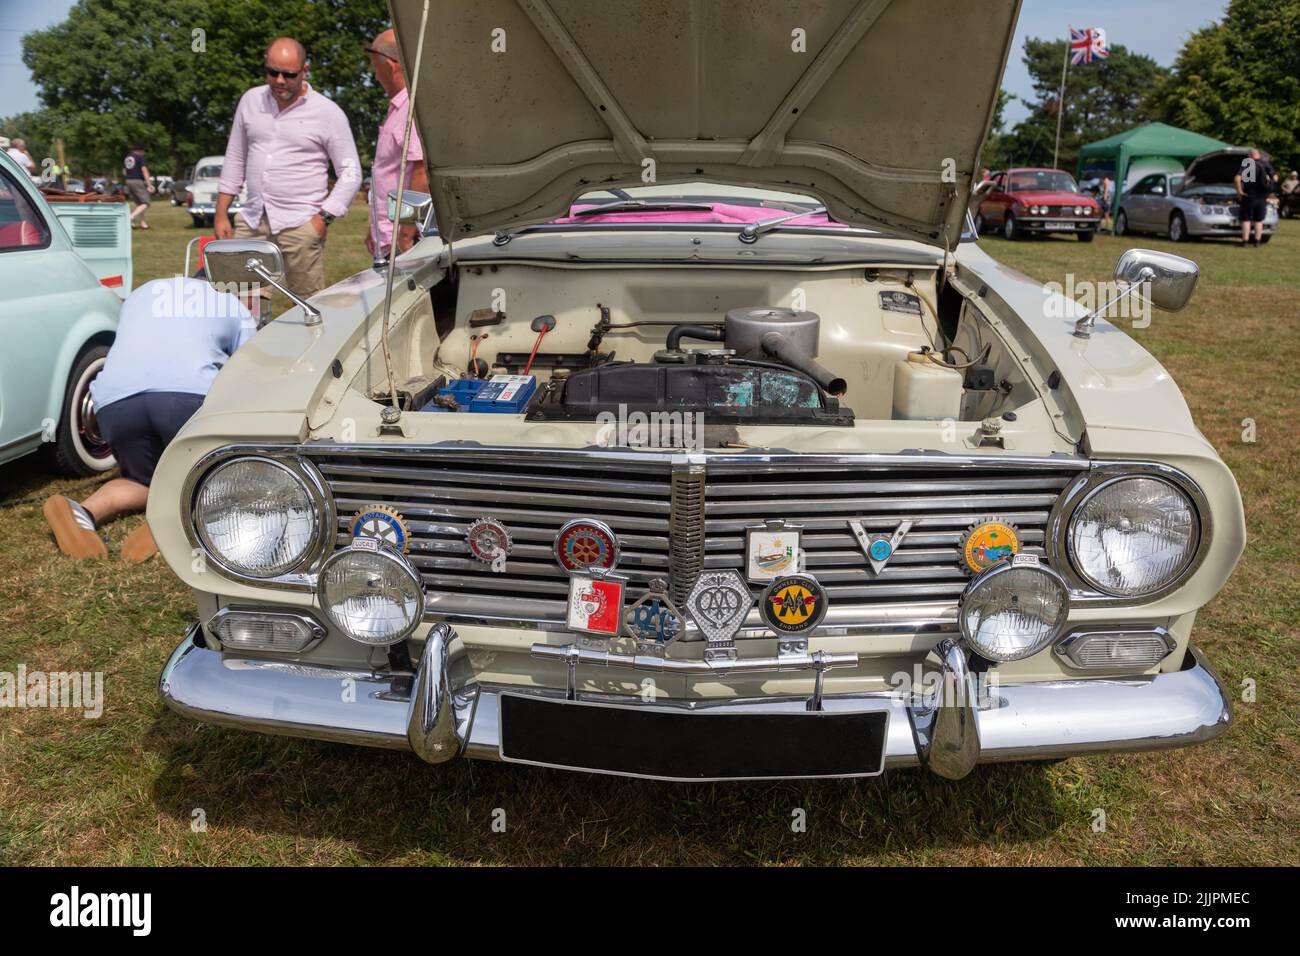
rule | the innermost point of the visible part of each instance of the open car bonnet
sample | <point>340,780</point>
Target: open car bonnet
<point>1217,167</point>
<point>877,107</point>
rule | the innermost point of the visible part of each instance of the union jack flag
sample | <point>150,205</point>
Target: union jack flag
<point>1088,44</point>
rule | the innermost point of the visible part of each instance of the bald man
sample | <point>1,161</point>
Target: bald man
<point>388,151</point>
<point>284,139</point>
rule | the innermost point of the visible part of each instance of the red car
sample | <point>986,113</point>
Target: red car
<point>1032,201</point>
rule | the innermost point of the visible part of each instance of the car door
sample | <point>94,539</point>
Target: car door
<point>43,287</point>
<point>1157,204</point>
<point>993,207</point>
<point>1138,205</point>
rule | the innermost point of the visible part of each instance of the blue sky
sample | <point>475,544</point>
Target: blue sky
<point>1154,27</point>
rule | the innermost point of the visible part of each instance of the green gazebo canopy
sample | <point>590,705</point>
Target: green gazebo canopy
<point>1154,140</point>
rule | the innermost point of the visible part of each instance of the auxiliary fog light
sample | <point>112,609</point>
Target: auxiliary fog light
<point>1116,650</point>
<point>1014,609</point>
<point>254,630</point>
<point>370,592</point>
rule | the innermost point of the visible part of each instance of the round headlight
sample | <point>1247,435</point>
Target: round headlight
<point>1014,609</point>
<point>371,594</point>
<point>1133,536</point>
<point>1078,210</point>
<point>255,516</point>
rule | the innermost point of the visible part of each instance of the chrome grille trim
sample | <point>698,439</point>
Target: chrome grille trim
<point>676,514</point>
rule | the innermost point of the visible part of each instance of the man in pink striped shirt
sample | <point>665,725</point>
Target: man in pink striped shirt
<point>388,151</point>
<point>284,138</point>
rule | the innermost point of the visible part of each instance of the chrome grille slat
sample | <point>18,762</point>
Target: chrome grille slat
<point>677,516</point>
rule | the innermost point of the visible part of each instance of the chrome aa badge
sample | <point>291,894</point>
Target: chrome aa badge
<point>719,604</point>
<point>584,544</point>
<point>653,619</point>
<point>489,541</point>
<point>794,604</point>
<point>879,548</point>
<point>596,603</point>
<point>381,523</point>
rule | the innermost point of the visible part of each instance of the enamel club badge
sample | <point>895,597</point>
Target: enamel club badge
<point>489,542</point>
<point>381,523</point>
<point>653,618</point>
<point>584,544</point>
<point>595,604</point>
<point>794,604</point>
<point>987,543</point>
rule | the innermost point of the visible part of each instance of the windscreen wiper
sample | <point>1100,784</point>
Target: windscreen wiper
<point>755,229</point>
<point>644,205</point>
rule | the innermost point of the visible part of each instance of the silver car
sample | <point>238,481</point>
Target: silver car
<point>1199,202</point>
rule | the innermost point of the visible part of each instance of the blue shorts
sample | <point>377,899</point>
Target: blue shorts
<point>139,427</point>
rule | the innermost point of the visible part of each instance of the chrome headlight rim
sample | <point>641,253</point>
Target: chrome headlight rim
<point>991,574</point>
<point>391,554</point>
<point>296,577</point>
<point>1081,489</point>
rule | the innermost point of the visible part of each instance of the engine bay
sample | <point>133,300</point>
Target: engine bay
<point>577,345</point>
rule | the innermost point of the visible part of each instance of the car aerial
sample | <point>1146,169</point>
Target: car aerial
<point>762,469</point>
<point>1200,202</point>
<point>58,320</point>
<point>201,191</point>
<point>1036,202</point>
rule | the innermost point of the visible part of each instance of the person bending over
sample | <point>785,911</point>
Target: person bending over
<point>173,336</point>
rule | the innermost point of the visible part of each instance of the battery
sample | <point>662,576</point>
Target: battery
<point>507,394</point>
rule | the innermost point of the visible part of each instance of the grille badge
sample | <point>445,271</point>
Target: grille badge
<point>586,544</point>
<point>879,548</point>
<point>719,604</point>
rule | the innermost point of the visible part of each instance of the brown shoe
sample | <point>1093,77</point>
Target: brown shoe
<point>139,545</point>
<point>72,537</point>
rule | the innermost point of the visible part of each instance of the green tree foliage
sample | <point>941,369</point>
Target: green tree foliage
<point>1102,98</point>
<point>1239,80</point>
<point>169,73</point>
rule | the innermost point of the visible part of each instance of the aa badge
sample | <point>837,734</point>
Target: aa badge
<point>794,604</point>
<point>719,604</point>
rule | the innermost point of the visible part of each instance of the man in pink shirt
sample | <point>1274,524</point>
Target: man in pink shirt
<point>388,151</point>
<point>284,138</point>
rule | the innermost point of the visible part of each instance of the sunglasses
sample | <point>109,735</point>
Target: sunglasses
<point>371,49</point>
<point>287,74</point>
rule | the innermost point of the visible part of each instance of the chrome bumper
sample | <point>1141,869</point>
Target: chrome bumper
<point>447,714</point>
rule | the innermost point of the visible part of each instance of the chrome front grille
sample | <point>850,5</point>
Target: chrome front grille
<point>675,515</point>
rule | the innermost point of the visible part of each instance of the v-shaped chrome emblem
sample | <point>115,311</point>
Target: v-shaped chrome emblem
<point>879,548</point>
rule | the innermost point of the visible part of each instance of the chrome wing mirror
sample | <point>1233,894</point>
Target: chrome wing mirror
<point>1161,279</point>
<point>241,261</point>
<point>415,206</point>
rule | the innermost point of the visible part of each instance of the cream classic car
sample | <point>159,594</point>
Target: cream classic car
<point>703,441</point>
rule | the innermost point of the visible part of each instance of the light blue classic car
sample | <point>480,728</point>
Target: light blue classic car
<point>58,316</point>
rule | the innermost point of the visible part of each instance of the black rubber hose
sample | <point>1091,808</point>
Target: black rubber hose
<point>706,333</point>
<point>783,349</point>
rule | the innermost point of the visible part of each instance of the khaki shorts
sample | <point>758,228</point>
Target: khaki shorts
<point>303,251</point>
<point>139,191</point>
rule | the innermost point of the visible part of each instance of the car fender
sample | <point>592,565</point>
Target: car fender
<point>97,321</point>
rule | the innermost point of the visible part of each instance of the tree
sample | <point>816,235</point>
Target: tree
<point>1102,98</point>
<point>168,73</point>
<point>1239,80</point>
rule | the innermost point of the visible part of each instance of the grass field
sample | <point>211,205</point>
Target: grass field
<point>125,789</point>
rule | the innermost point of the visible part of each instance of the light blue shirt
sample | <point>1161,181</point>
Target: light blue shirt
<point>173,335</point>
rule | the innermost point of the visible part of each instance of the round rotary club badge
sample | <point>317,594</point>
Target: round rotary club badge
<point>381,523</point>
<point>489,541</point>
<point>586,543</point>
<point>793,604</point>
<point>987,543</point>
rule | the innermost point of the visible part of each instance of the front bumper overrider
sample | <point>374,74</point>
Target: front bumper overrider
<point>442,712</point>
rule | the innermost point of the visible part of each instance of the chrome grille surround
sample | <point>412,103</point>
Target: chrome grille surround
<point>917,592</point>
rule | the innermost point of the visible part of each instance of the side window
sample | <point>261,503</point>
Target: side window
<point>1158,186</point>
<point>21,226</point>
<point>1144,186</point>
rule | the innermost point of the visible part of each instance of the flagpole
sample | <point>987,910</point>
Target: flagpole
<point>1060,101</point>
